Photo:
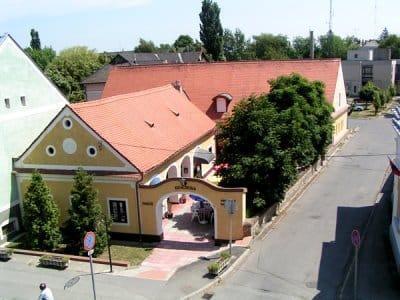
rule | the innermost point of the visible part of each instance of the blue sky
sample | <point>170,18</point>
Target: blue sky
<point>118,24</point>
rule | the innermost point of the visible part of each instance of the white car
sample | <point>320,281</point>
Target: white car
<point>358,107</point>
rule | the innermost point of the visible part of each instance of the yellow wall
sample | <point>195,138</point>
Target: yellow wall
<point>150,196</point>
<point>339,127</point>
<point>60,187</point>
<point>83,139</point>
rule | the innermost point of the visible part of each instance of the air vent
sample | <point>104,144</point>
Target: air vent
<point>151,124</point>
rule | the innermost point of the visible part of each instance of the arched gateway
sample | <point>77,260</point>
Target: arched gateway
<point>151,196</point>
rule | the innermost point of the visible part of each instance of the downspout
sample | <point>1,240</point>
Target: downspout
<point>138,206</point>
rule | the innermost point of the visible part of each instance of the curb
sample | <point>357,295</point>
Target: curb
<point>218,279</point>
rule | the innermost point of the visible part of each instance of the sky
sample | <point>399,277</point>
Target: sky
<point>112,25</point>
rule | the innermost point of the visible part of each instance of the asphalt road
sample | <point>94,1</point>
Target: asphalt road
<point>307,254</point>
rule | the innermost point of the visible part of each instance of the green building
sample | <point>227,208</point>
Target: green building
<point>28,102</point>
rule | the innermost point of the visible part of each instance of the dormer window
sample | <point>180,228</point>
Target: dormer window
<point>221,105</point>
<point>7,102</point>
<point>222,101</point>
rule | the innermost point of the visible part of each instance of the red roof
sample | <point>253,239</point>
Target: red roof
<point>203,82</point>
<point>146,127</point>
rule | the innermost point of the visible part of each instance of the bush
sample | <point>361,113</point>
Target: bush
<point>213,267</point>
<point>392,91</point>
<point>225,255</point>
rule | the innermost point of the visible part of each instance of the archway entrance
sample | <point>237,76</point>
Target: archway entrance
<point>151,199</point>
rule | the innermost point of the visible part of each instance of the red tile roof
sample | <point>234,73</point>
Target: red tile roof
<point>202,82</point>
<point>146,127</point>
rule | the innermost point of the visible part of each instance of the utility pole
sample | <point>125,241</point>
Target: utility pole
<point>330,15</point>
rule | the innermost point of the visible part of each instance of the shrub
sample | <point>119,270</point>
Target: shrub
<point>213,267</point>
<point>225,255</point>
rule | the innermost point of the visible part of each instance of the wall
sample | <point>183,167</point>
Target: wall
<point>93,91</point>
<point>108,187</point>
<point>363,54</point>
<point>19,125</point>
<point>383,73</point>
<point>352,76</point>
<point>341,107</point>
<point>395,224</point>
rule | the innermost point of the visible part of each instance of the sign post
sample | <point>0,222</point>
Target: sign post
<point>356,240</point>
<point>88,244</point>
<point>230,206</point>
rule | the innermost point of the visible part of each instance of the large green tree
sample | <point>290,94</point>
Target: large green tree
<point>270,137</point>
<point>269,46</point>
<point>42,57</point>
<point>392,41</point>
<point>236,47</point>
<point>211,32</point>
<point>70,67</point>
<point>85,215</point>
<point>333,46</point>
<point>145,47</point>
<point>368,91</point>
<point>184,43</point>
<point>41,216</point>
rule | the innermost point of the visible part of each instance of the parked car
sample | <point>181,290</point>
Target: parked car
<point>358,107</point>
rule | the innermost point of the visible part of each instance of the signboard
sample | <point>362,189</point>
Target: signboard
<point>89,241</point>
<point>355,238</point>
<point>230,206</point>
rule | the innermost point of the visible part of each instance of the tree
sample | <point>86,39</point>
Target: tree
<point>384,35</point>
<point>41,216</point>
<point>301,47</point>
<point>35,40</point>
<point>236,47</point>
<point>392,91</point>
<point>165,48</point>
<point>145,47</point>
<point>85,215</point>
<point>333,46</point>
<point>70,67</point>
<point>41,57</point>
<point>268,46</point>
<point>392,42</point>
<point>184,43</point>
<point>367,92</point>
<point>269,137</point>
<point>377,101</point>
<point>211,32</point>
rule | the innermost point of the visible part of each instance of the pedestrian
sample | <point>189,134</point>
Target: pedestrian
<point>45,292</point>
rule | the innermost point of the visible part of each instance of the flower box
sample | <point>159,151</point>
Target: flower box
<point>54,261</point>
<point>217,267</point>
<point>5,254</point>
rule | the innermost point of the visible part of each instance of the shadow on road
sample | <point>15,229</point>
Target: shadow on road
<point>377,276</point>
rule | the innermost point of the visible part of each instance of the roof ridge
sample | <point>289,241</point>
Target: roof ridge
<point>106,100</point>
<point>241,62</point>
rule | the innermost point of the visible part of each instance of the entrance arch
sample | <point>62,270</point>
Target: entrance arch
<point>151,196</point>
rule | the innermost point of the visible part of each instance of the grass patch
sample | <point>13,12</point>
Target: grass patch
<point>133,253</point>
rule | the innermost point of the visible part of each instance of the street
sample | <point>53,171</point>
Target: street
<point>307,254</point>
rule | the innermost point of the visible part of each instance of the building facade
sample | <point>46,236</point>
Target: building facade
<point>369,63</point>
<point>138,147</point>
<point>28,101</point>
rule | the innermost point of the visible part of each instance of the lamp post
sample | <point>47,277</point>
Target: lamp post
<point>107,223</point>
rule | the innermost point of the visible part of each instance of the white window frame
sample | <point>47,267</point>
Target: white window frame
<point>6,222</point>
<point>127,210</point>
<point>88,152</point>
<point>65,126</point>
<point>47,150</point>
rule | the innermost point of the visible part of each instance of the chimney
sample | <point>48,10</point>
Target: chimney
<point>177,85</point>
<point>312,44</point>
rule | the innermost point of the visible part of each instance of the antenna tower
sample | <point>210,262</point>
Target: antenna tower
<point>330,15</point>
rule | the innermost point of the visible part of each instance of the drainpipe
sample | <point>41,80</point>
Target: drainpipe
<point>138,206</point>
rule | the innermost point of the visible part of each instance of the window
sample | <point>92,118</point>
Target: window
<point>355,89</point>
<point>210,149</point>
<point>23,101</point>
<point>7,102</point>
<point>340,99</point>
<point>67,123</point>
<point>118,210</point>
<point>9,227</point>
<point>91,151</point>
<point>356,55</point>
<point>221,105</point>
<point>50,150</point>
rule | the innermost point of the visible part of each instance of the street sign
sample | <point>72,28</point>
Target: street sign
<point>355,238</point>
<point>90,252</point>
<point>89,241</point>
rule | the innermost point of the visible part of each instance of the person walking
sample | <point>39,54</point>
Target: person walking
<point>45,292</point>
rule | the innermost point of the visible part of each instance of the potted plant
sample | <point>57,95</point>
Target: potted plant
<point>5,254</point>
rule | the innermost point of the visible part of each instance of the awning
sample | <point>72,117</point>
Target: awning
<point>203,156</point>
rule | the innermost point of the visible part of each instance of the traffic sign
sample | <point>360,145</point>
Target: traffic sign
<point>89,241</point>
<point>355,238</point>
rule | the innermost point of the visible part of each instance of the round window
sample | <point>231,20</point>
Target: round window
<point>67,123</point>
<point>91,151</point>
<point>69,146</point>
<point>51,150</point>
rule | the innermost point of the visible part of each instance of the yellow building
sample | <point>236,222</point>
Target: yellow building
<point>138,147</point>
